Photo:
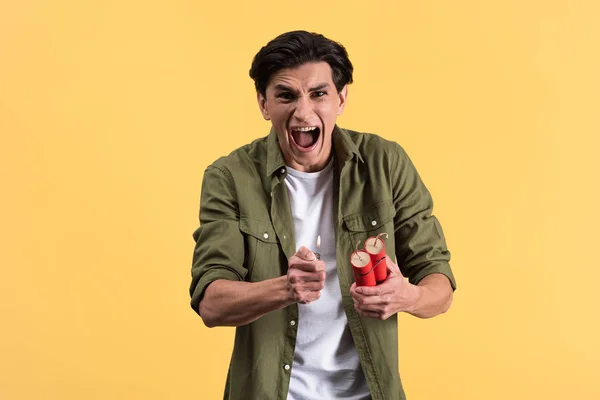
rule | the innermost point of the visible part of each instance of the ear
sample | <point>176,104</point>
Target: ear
<point>262,104</point>
<point>343,96</point>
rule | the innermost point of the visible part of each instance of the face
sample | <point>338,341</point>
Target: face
<point>302,103</point>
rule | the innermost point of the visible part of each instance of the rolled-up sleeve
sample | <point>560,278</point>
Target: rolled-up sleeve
<point>219,249</point>
<point>420,243</point>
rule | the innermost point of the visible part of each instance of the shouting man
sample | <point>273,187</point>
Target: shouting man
<point>304,329</point>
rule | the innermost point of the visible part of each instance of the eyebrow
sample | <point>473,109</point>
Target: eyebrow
<point>320,86</point>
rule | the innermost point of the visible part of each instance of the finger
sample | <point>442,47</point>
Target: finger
<point>310,286</point>
<point>306,254</point>
<point>308,297</point>
<point>368,314</point>
<point>392,266</point>
<point>372,301</point>
<point>307,266</point>
<point>378,290</point>
<point>353,291</point>
<point>296,275</point>
<point>374,310</point>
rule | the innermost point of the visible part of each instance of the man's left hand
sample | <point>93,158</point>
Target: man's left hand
<point>392,296</point>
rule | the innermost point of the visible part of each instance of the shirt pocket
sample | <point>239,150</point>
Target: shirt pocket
<point>261,249</point>
<point>371,222</point>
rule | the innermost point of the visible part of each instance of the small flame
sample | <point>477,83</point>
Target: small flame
<point>319,242</point>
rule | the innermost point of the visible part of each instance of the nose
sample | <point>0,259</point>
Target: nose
<point>303,109</point>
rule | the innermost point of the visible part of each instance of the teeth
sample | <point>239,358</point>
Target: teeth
<point>305,128</point>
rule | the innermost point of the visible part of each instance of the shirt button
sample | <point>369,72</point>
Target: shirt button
<point>282,170</point>
<point>292,323</point>
<point>373,222</point>
<point>286,367</point>
<point>285,237</point>
<point>266,235</point>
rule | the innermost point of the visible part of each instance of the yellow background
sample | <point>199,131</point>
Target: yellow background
<point>111,110</point>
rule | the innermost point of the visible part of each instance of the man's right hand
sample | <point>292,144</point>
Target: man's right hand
<point>305,277</point>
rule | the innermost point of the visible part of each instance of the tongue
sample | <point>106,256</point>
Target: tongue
<point>304,139</point>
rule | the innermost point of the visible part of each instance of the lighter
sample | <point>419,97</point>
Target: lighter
<point>317,254</point>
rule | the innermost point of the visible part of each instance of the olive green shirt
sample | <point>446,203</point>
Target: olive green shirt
<point>246,233</point>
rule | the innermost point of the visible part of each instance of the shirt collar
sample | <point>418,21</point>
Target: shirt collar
<point>343,147</point>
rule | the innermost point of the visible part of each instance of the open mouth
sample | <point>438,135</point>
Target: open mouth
<point>306,137</point>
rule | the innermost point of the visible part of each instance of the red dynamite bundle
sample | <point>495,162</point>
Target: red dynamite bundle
<point>369,265</point>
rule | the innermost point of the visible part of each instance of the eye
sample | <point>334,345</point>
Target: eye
<point>285,96</point>
<point>320,93</point>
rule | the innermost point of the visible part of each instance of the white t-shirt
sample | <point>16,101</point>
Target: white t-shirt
<point>326,364</point>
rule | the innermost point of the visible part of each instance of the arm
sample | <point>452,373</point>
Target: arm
<point>435,296</point>
<point>430,297</point>
<point>230,303</point>
<point>420,250</point>
<point>234,303</point>
<point>420,244</point>
<point>218,290</point>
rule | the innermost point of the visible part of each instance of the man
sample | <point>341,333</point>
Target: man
<point>304,329</point>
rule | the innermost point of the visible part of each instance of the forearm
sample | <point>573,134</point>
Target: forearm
<point>434,296</point>
<point>232,303</point>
